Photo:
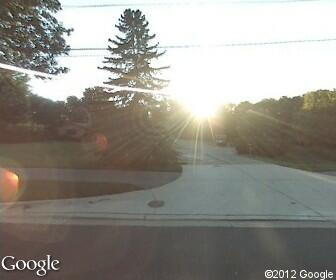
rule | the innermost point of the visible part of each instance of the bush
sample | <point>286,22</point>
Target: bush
<point>135,141</point>
<point>22,134</point>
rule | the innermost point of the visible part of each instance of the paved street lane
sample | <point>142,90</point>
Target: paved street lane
<point>169,253</point>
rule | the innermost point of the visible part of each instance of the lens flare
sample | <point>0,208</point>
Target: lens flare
<point>9,186</point>
<point>101,142</point>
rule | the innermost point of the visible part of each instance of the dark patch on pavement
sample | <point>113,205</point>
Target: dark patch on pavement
<point>156,203</point>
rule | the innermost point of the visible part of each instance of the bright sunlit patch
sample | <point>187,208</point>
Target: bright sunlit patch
<point>201,109</point>
<point>202,103</point>
<point>197,90</point>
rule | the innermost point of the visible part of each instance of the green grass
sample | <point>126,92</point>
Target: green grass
<point>47,154</point>
<point>74,155</point>
<point>48,190</point>
<point>310,159</point>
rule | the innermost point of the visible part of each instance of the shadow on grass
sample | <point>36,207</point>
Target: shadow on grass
<point>49,190</point>
<point>70,155</point>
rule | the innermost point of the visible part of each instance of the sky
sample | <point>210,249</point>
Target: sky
<point>218,75</point>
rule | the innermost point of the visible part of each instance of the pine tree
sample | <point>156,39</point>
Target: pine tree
<point>130,60</point>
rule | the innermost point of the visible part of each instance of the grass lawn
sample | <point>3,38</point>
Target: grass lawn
<point>72,155</point>
<point>310,159</point>
<point>47,154</point>
<point>75,155</point>
<point>47,190</point>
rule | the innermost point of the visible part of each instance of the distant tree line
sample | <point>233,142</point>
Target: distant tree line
<point>272,127</point>
<point>25,116</point>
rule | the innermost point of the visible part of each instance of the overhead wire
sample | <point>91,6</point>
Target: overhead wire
<point>185,3</point>
<point>223,45</point>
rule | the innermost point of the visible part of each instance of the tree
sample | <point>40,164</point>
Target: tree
<point>31,36</point>
<point>72,102</point>
<point>319,100</point>
<point>131,56</point>
<point>45,111</point>
<point>95,96</point>
<point>13,92</point>
<point>76,111</point>
<point>96,101</point>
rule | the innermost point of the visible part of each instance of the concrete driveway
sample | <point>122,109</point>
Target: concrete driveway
<point>216,184</point>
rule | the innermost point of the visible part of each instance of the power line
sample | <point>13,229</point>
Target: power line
<point>186,3</point>
<point>241,44</point>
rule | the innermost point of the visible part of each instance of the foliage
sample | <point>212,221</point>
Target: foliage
<point>31,36</point>
<point>134,139</point>
<point>130,60</point>
<point>95,95</point>
<point>25,116</point>
<point>96,101</point>
<point>75,110</point>
<point>13,92</point>
<point>320,100</point>
<point>45,111</point>
<point>273,127</point>
<point>133,123</point>
<point>28,117</point>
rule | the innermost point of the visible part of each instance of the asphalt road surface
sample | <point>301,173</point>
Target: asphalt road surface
<point>109,252</point>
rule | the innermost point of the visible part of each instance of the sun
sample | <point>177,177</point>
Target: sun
<point>196,91</point>
<point>201,109</point>
<point>202,104</point>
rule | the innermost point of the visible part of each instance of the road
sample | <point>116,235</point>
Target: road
<point>225,217</point>
<point>216,184</point>
<point>207,153</point>
<point>170,253</point>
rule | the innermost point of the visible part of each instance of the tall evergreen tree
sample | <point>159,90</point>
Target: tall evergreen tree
<point>130,60</point>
